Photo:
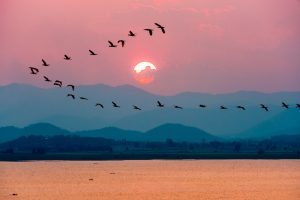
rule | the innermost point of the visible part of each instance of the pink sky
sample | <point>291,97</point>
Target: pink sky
<point>210,46</point>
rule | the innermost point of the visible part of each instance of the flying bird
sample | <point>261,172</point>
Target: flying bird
<point>71,86</point>
<point>223,107</point>
<point>34,70</point>
<point>71,95</point>
<point>150,31</point>
<point>298,105</point>
<point>58,83</point>
<point>264,107</point>
<point>115,105</point>
<point>159,104</point>
<point>99,104</point>
<point>122,42</point>
<point>131,34</point>
<point>202,106</point>
<point>241,107</point>
<point>92,53</point>
<point>179,107</point>
<point>67,57</point>
<point>83,98</point>
<point>136,108</point>
<point>47,79</point>
<point>161,27</point>
<point>285,105</point>
<point>111,44</point>
<point>45,63</point>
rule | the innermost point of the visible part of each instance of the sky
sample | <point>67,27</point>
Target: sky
<point>209,46</point>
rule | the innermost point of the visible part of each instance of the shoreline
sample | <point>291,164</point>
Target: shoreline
<point>18,157</point>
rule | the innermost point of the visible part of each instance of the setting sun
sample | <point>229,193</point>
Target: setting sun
<point>144,72</point>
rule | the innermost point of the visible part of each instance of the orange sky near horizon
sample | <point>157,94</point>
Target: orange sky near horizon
<point>210,46</point>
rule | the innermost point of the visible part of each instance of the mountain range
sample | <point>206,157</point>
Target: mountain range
<point>23,105</point>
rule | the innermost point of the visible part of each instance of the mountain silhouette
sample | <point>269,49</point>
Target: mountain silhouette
<point>50,105</point>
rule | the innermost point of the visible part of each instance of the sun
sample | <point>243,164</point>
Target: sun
<point>144,72</point>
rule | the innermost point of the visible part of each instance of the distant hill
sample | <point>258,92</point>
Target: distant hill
<point>22,105</point>
<point>176,132</point>
<point>285,123</point>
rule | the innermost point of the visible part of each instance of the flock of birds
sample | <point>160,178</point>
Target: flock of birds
<point>111,44</point>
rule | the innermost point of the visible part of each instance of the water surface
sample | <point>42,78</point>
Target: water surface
<point>150,180</point>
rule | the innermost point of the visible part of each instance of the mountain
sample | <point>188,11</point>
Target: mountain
<point>176,132</point>
<point>43,129</point>
<point>285,123</point>
<point>22,105</point>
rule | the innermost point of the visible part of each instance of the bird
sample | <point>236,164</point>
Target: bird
<point>223,107</point>
<point>83,98</point>
<point>92,53</point>
<point>45,63</point>
<point>99,104</point>
<point>14,194</point>
<point>136,108</point>
<point>161,27</point>
<point>111,44</point>
<point>298,105</point>
<point>58,83</point>
<point>241,107</point>
<point>67,57</point>
<point>179,107</point>
<point>71,86</point>
<point>91,179</point>
<point>202,106</point>
<point>122,42</point>
<point>115,105</point>
<point>131,34</point>
<point>34,70</point>
<point>150,31</point>
<point>71,95</point>
<point>159,104</point>
<point>285,105</point>
<point>47,79</point>
<point>264,107</point>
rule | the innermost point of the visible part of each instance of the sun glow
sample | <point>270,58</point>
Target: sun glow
<point>144,72</point>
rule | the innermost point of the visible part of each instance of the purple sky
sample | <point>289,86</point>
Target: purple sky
<point>210,45</point>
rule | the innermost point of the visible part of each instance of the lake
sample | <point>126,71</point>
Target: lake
<point>150,180</point>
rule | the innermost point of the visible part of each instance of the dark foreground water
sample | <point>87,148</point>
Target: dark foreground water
<point>156,179</point>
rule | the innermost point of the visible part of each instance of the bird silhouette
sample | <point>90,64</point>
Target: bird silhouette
<point>159,104</point>
<point>83,98</point>
<point>58,83</point>
<point>136,108</point>
<point>178,107</point>
<point>47,79</point>
<point>111,44</point>
<point>122,42</point>
<point>264,107</point>
<point>92,53</point>
<point>99,104</point>
<point>285,105</point>
<point>71,86</point>
<point>131,34</point>
<point>91,179</point>
<point>71,95</point>
<point>150,31</point>
<point>67,57</point>
<point>223,107</point>
<point>115,105</point>
<point>161,27</point>
<point>14,194</point>
<point>45,63</point>
<point>202,106</point>
<point>34,70</point>
<point>241,107</point>
<point>298,105</point>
